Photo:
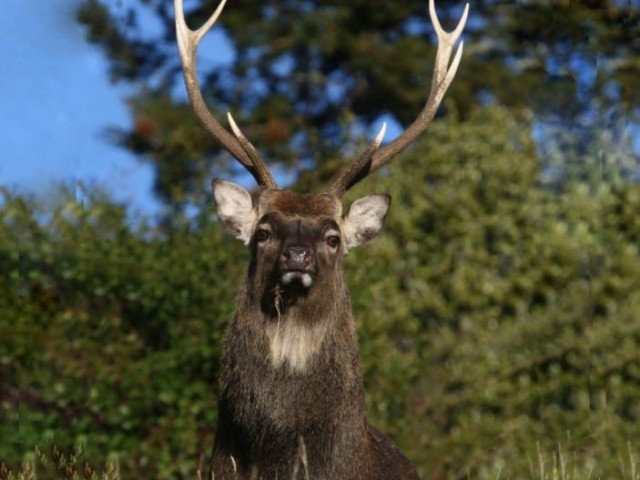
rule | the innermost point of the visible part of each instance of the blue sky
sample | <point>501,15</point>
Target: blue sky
<point>56,105</point>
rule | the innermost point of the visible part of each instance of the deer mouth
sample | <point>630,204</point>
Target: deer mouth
<point>301,277</point>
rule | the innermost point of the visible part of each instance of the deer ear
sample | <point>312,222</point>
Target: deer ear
<point>364,220</point>
<point>234,207</point>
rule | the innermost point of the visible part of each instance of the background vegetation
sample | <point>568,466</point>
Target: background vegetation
<point>498,314</point>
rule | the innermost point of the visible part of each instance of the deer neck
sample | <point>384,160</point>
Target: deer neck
<point>296,328</point>
<point>291,377</point>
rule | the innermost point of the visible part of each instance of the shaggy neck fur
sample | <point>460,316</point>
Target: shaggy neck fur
<point>290,376</point>
<point>292,344</point>
<point>296,322</point>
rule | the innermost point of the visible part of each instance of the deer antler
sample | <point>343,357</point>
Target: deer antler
<point>443,75</point>
<point>238,146</point>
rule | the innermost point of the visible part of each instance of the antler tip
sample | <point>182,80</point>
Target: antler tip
<point>434,17</point>
<point>380,136</point>
<point>234,125</point>
<point>463,21</point>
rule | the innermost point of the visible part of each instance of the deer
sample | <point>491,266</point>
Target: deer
<point>291,400</point>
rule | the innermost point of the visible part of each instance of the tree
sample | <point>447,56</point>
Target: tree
<point>512,309</point>
<point>307,77</point>
<point>497,319</point>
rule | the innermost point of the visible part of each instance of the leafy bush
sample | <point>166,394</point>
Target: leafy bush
<point>498,319</point>
<point>513,310</point>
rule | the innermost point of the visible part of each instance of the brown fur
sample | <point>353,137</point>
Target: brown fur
<point>288,203</point>
<point>302,411</point>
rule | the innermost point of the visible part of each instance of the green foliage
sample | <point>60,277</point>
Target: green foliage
<point>300,67</point>
<point>497,319</point>
<point>111,334</point>
<point>512,309</point>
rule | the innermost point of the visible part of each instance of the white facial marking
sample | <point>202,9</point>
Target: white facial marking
<point>305,278</point>
<point>293,343</point>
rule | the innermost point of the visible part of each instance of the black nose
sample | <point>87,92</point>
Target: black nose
<point>297,258</point>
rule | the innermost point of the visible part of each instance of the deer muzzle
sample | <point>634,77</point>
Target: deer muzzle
<point>298,264</point>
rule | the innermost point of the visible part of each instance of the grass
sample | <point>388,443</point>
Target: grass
<point>563,465</point>
<point>559,465</point>
<point>55,464</point>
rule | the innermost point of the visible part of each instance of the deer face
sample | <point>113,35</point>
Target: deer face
<point>294,237</point>
<point>297,240</point>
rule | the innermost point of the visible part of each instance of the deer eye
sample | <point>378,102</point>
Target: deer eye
<point>333,241</point>
<point>262,235</point>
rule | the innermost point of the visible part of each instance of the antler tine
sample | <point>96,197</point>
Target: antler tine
<point>256,159</point>
<point>443,75</point>
<point>357,171</point>
<point>238,146</point>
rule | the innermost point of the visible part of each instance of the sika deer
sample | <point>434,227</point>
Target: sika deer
<point>291,392</point>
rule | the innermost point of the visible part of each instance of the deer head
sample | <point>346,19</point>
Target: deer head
<point>273,217</point>
<point>297,242</point>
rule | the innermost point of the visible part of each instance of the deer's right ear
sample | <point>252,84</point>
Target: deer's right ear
<point>234,207</point>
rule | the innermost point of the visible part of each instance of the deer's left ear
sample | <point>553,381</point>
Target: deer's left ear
<point>364,220</point>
